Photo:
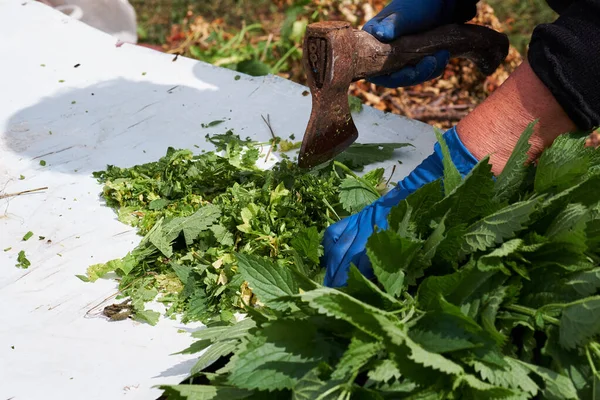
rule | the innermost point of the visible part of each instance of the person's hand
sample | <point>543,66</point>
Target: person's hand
<point>345,241</point>
<point>403,17</point>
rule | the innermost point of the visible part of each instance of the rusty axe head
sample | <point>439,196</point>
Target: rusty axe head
<point>335,55</point>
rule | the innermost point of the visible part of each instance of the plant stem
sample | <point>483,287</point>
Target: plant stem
<point>358,178</point>
<point>4,196</point>
<point>532,313</point>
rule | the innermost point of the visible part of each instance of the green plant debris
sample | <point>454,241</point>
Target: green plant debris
<point>27,236</point>
<point>213,123</point>
<point>21,177</point>
<point>22,261</point>
<point>42,163</point>
<point>478,293</point>
<point>73,102</point>
<point>237,77</point>
<point>356,105</point>
<point>7,249</point>
<point>41,237</point>
<point>196,212</point>
<point>61,81</point>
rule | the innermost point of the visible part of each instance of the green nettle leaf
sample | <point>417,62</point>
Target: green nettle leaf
<point>399,337</point>
<point>222,235</point>
<point>341,306</point>
<point>356,194</point>
<point>366,291</point>
<point>358,155</point>
<point>236,331</point>
<point>384,371</point>
<point>358,354</point>
<point>557,386</point>
<point>283,354</point>
<point>580,322</point>
<point>563,164</point>
<point>496,228</point>
<point>471,199</point>
<point>266,279</point>
<point>570,227</point>
<point>191,226</point>
<point>452,177</point>
<point>391,255</point>
<point>203,392</point>
<point>311,387</point>
<point>515,171</point>
<point>513,375</point>
<point>308,244</point>
<point>585,283</point>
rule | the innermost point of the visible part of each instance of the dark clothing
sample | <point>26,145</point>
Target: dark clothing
<point>565,55</point>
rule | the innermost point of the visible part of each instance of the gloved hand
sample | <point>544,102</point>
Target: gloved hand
<point>345,241</point>
<point>403,17</point>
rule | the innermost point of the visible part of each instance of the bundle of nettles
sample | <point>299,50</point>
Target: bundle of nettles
<point>485,289</point>
<point>197,212</point>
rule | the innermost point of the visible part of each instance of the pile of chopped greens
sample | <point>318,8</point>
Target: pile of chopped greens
<point>485,289</point>
<point>196,212</point>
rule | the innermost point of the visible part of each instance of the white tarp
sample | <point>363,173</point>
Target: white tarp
<point>71,97</point>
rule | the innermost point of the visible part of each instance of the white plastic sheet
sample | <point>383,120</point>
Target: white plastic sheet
<point>71,97</point>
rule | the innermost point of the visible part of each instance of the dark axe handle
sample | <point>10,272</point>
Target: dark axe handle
<point>484,46</point>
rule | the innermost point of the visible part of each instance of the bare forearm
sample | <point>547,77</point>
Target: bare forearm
<point>495,126</point>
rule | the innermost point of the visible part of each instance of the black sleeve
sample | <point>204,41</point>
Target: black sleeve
<point>565,55</point>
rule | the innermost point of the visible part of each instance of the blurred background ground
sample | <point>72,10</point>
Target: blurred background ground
<point>264,36</point>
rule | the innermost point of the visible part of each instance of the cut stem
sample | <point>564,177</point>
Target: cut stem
<point>4,196</point>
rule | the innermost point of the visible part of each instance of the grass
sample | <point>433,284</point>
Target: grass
<point>521,17</point>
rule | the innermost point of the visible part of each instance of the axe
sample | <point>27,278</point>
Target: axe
<point>335,55</point>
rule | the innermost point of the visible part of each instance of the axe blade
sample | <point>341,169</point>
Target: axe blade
<point>330,131</point>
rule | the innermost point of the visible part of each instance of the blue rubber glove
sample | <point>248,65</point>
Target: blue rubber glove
<point>403,17</point>
<point>345,241</point>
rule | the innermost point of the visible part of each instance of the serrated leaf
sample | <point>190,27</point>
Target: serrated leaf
<point>266,366</point>
<point>416,353</point>
<point>356,194</point>
<point>563,164</point>
<point>308,244</point>
<point>336,304</point>
<point>585,283</point>
<point>557,386</point>
<point>359,352</point>
<point>233,332</point>
<point>158,204</point>
<point>222,235</point>
<point>472,198</point>
<point>212,354</point>
<point>204,392</point>
<point>191,226</point>
<point>266,279</point>
<point>443,333</point>
<point>384,371</point>
<point>480,389</point>
<point>515,376</point>
<point>452,177</point>
<point>311,387</point>
<point>358,155</point>
<point>391,255</point>
<point>580,322</point>
<point>514,173</point>
<point>570,227</point>
<point>97,271</point>
<point>366,291</point>
<point>498,227</point>
<point>149,316</point>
